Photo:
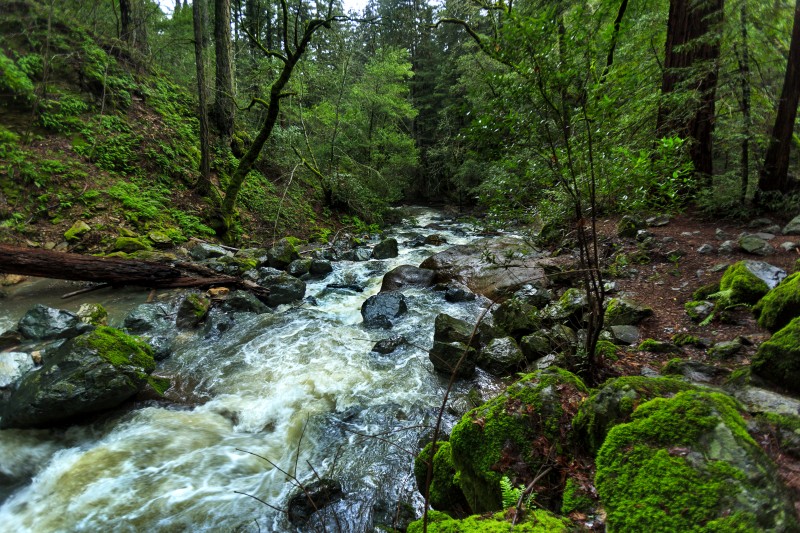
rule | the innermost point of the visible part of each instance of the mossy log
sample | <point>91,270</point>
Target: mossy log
<point>116,271</point>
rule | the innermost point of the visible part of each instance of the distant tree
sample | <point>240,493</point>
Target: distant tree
<point>774,175</point>
<point>223,101</point>
<point>204,183</point>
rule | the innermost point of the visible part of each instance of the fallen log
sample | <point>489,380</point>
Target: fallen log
<point>116,271</point>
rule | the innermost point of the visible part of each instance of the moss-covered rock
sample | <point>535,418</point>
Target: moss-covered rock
<point>622,312</point>
<point>282,254</point>
<point>513,434</point>
<point>76,231</point>
<point>130,244</point>
<point>741,285</point>
<point>570,307</point>
<point>576,498</point>
<point>688,464</point>
<point>699,310</point>
<point>93,314</point>
<point>778,359</point>
<point>192,310</point>
<point>450,329</point>
<point>780,305</point>
<point>535,521</point>
<point>516,318</point>
<point>444,493</point>
<point>615,401</point>
<point>607,350</point>
<point>654,346</point>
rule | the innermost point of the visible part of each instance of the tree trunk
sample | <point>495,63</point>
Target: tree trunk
<point>744,81</point>
<point>77,267</point>
<point>775,174</point>
<point>204,182</point>
<point>126,21</point>
<point>223,104</point>
<point>688,44</point>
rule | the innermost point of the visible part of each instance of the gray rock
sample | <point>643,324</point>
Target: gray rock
<point>569,307</point>
<point>282,254</point>
<point>359,254</point>
<point>721,235</point>
<point>456,292</point>
<point>313,497</point>
<point>774,229</point>
<point>320,267</point>
<point>299,267</point>
<point>628,225</point>
<point>501,357</point>
<point>516,317</point>
<point>764,235</point>
<point>769,274</point>
<point>10,338</point>
<point>753,244</point>
<point>793,227</point>
<point>788,246</point>
<point>192,310</point>
<point>450,329</point>
<point>658,221</point>
<point>46,323</point>
<point>387,346</point>
<point>624,312</point>
<point>727,247</point>
<point>386,249</point>
<point>407,276</point>
<point>627,335</point>
<point>147,317</point>
<point>244,302</point>
<point>759,223</point>
<point>534,295</point>
<point>283,288</point>
<point>695,371</point>
<point>705,249</point>
<point>725,349</point>
<point>86,374</point>
<point>453,357</point>
<point>536,345</point>
<point>202,251</point>
<point>12,366</point>
<point>381,309</point>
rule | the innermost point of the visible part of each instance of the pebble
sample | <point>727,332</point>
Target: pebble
<point>705,249</point>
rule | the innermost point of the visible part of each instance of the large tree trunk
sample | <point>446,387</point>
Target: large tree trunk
<point>77,267</point>
<point>223,104</point>
<point>204,182</point>
<point>775,174</point>
<point>688,46</point>
<point>126,21</point>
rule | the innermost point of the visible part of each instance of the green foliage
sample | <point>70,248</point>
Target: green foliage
<point>536,521</point>
<point>510,494</point>
<point>778,359</point>
<point>139,204</point>
<point>62,115</point>
<point>15,85</point>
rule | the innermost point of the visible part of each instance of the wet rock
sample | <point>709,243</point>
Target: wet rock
<point>534,294</point>
<point>320,267</point>
<point>192,310</point>
<point>93,372</point>
<point>516,318</point>
<point>283,288</point>
<point>10,338</point>
<point>501,357</point>
<point>282,254</point>
<point>778,359</point>
<point>345,286</point>
<point>93,314</point>
<point>407,276</point>
<point>793,227</point>
<point>456,292</point>
<point>444,493</point>
<point>753,244</point>
<point>381,309</point>
<point>203,250</point>
<point>359,254</point>
<point>453,357</point>
<point>536,345</point>
<point>46,323</point>
<point>656,346</point>
<point>695,371</point>
<point>12,366</point>
<point>313,497</point>
<point>387,346</point>
<point>299,267</point>
<point>570,307</point>
<point>243,302</point>
<point>386,249</point>
<point>435,240</point>
<point>623,312</point>
<point>146,317</point>
<point>450,329</point>
<point>695,439</point>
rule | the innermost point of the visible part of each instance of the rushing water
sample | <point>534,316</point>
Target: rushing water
<point>299,388</point>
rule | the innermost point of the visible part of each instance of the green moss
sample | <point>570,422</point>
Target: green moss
<point>643,474</point>
<point>607,350</point>
<point>780,305</point>
<point>536,521</point>
<point>130,244</point>
<point>76,231</point>
<point>684,339</point>
<point>741,286</point>
<point>159,384</point>
<point>575,498</point>
<point>778,359</point>
<point>498,437</point>
<point>705,291</point>
<point>14,81</point>
<point>444,493</point>
<point>654,346</point>
<point>119,348</point>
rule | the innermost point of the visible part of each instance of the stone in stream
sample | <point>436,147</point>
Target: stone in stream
<point>12,366</point>
<point>313,497</point>
<point>501,357</point>
<point>45,323</point>
<point>387,346</point>
<point>386,249</point>
<point>457,292</point>
<point>283,288</point>
<point>282,254</point>
<point>407,276</point>
<point>381,309</point>
<point>320,267</point>
<point>450,357</point>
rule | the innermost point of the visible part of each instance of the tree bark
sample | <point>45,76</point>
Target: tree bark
<point>204,182</point>
<point>687,45</point>
<point>126,21</point>
<point>775,174</point>
<point>223,103</point>
<point>77,267</point>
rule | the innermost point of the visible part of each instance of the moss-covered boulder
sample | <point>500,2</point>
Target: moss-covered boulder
<point>501,357</point>
<point>192,310</point>
<point>535,521</point>
<point>130,244</point>
<point>780,305</point>
<point>90,373</point>
<point>570,307</point>
<point>46,323</point>
<point>688,464</point>
<point>615,401</point>
<point>516,317</point>
<point>622,312</point>
<point>514,435</point>
<point>282,254</point>
<point>77,231</point>
<point>444,493</point>
<point>93,314</point>
<point>778,359</point>
<point>450,329</point>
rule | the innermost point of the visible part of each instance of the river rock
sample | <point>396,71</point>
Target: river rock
<point>450,329</point>
<point>653,469</point>
<point>203,250</point>
<point>320,267</point>
<point>386,249</point>
<point>299,267</point>
<point>147,317</point>
<point>793,227</point>
<point>516,317</point>
<point>623,312</point>
<point>313,497</point>
<point>387,346</point>
<point>453,357</point>
<point>244,302</point>
<point>45,323</point>
<point>12,366</point>
<point>283,288</point>
<point>407,276</point>
<point>10,338</point>
<point>282,254</point>
<point>456,292</point>
<point>515,265</point>
<point>93,372</point>
<point>501,357</point>
<point>192,310</point>
<point>93,314</point>
<point>359,254</point>
<point>380,309</point>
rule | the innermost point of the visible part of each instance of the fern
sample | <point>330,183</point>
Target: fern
<point>509,492</point>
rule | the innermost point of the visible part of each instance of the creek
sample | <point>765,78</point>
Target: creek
<point>299,387</point>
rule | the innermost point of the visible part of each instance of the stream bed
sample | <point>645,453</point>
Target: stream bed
<point>291,394</point>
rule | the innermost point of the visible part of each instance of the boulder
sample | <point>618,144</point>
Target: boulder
<point>793,227</point>
<point>686,463</point>
<point>129,245</point>
<point>77,231</point>
<point>381,309</point>
<point>407,276</point>
<point>746,282</point>
<point>499,438</point>
<point>623,312</point>
<point>780,305</point>
<point>456,292</point>
<point>283,288</point>
<point>753,244</point>
<point>90,373</point>
<point>146,317</point>
<point>358,254</point>
<point>12,366</point>
<point>534,294</point>
<point>93,314</point>
<point>243,302</point>
<point>570,307</point>
<point>202,251</point>
<point>778,359</point>
<point>46,323</point>
<point>625,335</point>
<point>450,357</point>
<point>387,346</point>
<point>695,371</point>
<point>615,401</point>
<point>282,254</point>
<point>320,267</point>
<point>725,349</point>
<point>192,310</point>
<point>299,267</point>
<point>314,496</point>
<point>10,338</point>
<point>450,329</point>
<point>516,317</point>
<point>386,249</point>
<point>501,357</point>
<point>443,491</point>
<point>699,310</point>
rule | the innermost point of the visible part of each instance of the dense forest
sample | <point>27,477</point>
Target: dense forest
<point>587,344</point>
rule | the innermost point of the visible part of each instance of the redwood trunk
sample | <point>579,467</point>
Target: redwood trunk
<point>223,104</point>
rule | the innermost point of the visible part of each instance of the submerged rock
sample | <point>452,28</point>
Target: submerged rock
<point>387,346</point>
<point>313,497</point>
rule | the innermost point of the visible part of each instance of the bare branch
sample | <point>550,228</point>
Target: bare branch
<point>267,52</point>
